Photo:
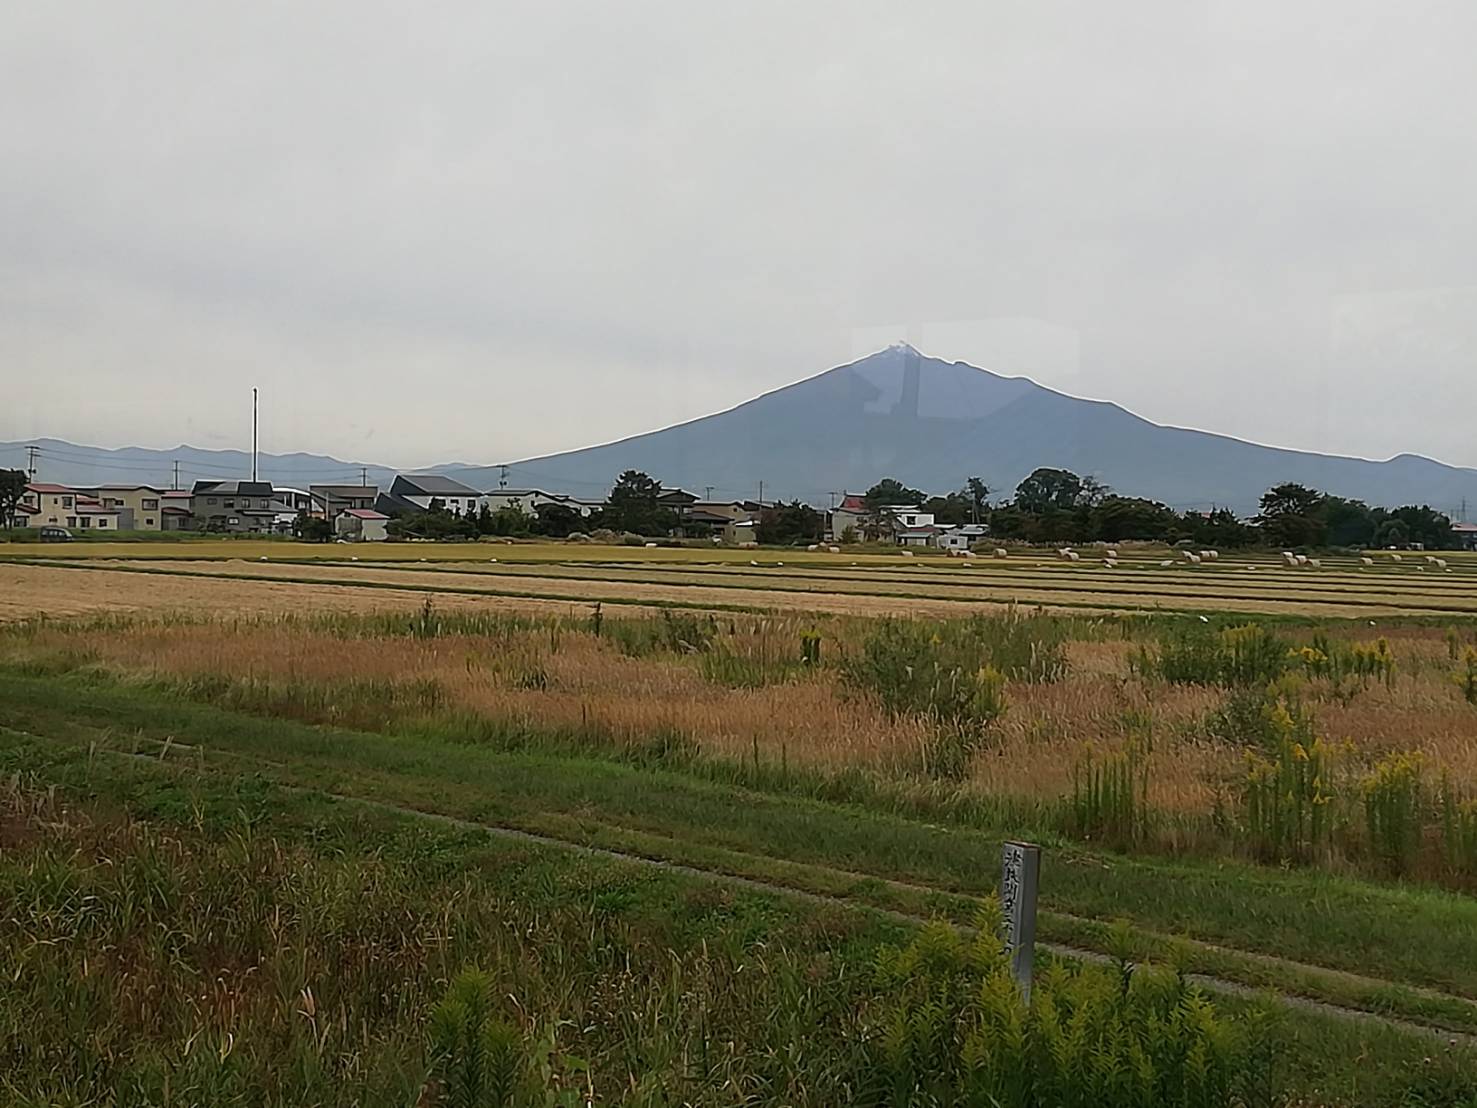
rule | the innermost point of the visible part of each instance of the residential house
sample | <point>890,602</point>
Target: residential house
<point>244,507</point>
<point>421,489</point>
<point>527,501</point>
<point>905,516</point>
<point>329,501</point>
<point>679,502</point>
<point>962,537</point>
<point>727,509</point>
<point>175,512</point>
<point>393,507</point>
<point>298,500</point>
<point>1465,534</point>
<point>850,515</point>
<point>361,525</point>
<point>141,507</point>
<point>926,534</point>
<point>731,522</point>
<point>45,505</point>
<point>887,521</point>
<point>49,505</point>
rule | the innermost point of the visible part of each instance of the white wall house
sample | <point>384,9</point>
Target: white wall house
<point>962,537</point>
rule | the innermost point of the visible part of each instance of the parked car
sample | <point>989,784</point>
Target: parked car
<point>55,534</point>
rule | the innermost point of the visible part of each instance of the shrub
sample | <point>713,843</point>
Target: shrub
<point>1257,716</point>
<point>1246,655</point>
<point>1373,660</point>
<point>914,670</point>
<point>957,1031</point>
<point>673,633</point>
<point>1109,796</point>
<point>810,648</point>
<point>1287,793</point>
<point>1394,809</point>
<point>1458,829</point>
<point>479,1055</point>
<point>1466,677</point>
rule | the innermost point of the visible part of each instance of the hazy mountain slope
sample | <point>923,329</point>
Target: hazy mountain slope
<point>70,464</point>
<point>927,422</point>
<point>932,424</point>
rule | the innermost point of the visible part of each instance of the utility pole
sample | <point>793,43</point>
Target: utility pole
<point>175,486</point>
<point>502,481</point>
<point>708,492</point>
<point>253,434</point>
<point>761,494</point>
<point>364,477</point>
<point>31,452</point>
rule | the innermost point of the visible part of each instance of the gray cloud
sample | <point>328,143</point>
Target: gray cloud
<point>482,231</point>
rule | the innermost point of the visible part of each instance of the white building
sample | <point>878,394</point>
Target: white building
<point>962,537</point>
<point>361,525</point>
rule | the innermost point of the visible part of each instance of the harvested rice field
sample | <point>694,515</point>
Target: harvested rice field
<point>1265,776</point>
<point>1420,586</point>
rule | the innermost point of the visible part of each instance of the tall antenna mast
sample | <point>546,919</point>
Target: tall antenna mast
<point>253,434</point>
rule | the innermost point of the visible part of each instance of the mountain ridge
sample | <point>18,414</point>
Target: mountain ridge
<point>928,422</point>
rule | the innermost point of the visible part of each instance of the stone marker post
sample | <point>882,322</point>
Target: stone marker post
<point>1020,874</point>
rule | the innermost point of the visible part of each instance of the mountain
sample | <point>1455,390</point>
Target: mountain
<point>70,464</point>
<point>897,413</point>
<point>931,424</point>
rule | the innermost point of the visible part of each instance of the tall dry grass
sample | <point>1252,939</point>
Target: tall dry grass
<point>558,673</point>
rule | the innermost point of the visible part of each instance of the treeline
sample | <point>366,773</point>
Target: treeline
<point>1056,505</point>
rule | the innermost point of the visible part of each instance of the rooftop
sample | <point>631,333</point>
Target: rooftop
<point>345,492</point>
<point>364,513</point>
<point>234,488</point>
<point>429,484</point>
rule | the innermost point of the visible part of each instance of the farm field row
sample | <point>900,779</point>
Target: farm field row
<point>783,589</point>
<point>524,551</point>
<point>1211,583</point>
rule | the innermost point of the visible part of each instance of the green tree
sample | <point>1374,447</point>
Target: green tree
<point>952,509</point>
<point>1426,526</point>
<point>889,490</point>
<point>1348,522</point>
<point>786,524</point>
<point>1219,528</point>
<point>1392,532</point>
<point>306,528</point>
<point>1117,518</point>
<point>12,491</point>
<point>979,498</point>
<point>1293,515</point>
<point>1046,489</point>
<point>633,506</point>
<point>558,521</point>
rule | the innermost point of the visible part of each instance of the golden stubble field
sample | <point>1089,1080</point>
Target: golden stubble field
<point>932,586</point>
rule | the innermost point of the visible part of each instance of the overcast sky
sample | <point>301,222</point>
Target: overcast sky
<point>479,231</point>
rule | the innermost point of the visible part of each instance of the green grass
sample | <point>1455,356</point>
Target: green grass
<point>247,946</point>
<point>658,802</point>
<point>182,932</point>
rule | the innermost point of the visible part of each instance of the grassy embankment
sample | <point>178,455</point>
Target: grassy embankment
<point>194,925</point>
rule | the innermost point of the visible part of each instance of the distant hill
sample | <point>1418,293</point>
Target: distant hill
<point>932,424</point>
<point>927,422</point>
<point>70,464</point>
